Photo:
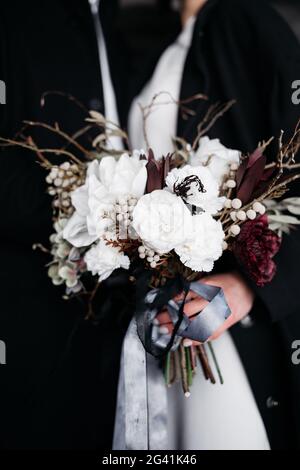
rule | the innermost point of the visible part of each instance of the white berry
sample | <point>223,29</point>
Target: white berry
<point>231,184</point>
<point>234,166</point>
<point>58,182</point>
<point>251,214</point>
<point>259,208</point>
<point>236,203</point>
<point>235,230</point>
<point>233,216</point>
<point>241,215</point>
<point>65,166</point>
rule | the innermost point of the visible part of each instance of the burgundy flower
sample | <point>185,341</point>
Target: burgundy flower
<point>157,171</point>
<point>255,248</point>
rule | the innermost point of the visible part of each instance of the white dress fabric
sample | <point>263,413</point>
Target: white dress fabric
<point>214,417</point>
<point>166,81</point>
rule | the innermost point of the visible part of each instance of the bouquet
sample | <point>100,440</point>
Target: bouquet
<point>166,220</point>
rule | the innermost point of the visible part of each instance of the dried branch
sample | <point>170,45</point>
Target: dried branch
<point>214,112</point>
<point>13,143</point>
<point>68,96</point>
<point>58,131</point>
<point>148,109</point>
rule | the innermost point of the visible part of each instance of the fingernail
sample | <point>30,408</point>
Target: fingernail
<point>187,343</point>
<point>163,330</point>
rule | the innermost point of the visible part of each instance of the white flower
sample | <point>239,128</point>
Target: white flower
<point>197,187</point>
<point>103,259</point>
<point>53,273</point>
<point>215,156</point>
<point>94,202</point>
<point>62,249</point>
<point>200,252</point>
<point>162,221</point>
<point>68,272</point>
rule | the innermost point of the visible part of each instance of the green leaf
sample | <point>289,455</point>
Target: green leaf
<point>284,219</point>
<point>294,209</point>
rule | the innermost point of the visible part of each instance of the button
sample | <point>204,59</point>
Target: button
<point>247,322</point>
<point>271,403</point>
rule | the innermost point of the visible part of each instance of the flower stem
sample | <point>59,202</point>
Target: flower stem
<point>184,375</point>
<point>208,373</point>
<point>216,363</point>
<point>167,368</point>
<point>189,367</point>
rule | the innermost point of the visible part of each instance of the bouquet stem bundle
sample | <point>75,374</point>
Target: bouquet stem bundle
<point>181,365</point>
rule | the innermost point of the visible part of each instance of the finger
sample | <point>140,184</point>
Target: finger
<point>166,329</point>
<point>226,325</point>
<point>164,317</point>
<point>190,309</point>
<point>187,342</point>
<point>190,296</point>
<point>195,306</point>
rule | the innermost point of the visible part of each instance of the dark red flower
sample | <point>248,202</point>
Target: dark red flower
<point>255,248</point>
<point>157,171</point>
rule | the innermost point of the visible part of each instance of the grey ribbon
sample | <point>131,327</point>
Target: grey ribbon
<point>141,413</point>
<point>141,418</point>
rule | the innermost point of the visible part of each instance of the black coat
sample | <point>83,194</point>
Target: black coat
<point>59,384</point>
<point>243,50</point>
<point>58,387</point>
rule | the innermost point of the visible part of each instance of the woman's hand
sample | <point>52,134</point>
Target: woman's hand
<point>238,294</point>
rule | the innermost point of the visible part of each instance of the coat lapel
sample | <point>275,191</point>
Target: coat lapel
<point>195,76</point>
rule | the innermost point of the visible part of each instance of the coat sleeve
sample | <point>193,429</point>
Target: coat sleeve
<point>281,296</point>
<point>279,50</point>
<point>25,206</point>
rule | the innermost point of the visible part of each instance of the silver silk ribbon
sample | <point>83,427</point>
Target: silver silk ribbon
<point>141,413</point>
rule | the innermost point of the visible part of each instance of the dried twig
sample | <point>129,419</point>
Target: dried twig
<point>13,143</point>
<point>58,131</point>
<point>213,114</point>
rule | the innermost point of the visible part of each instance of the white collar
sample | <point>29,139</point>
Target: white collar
<point>185,37</point>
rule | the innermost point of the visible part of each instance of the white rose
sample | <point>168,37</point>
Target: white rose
<point>162,221</point>
<point>95,201</point>
<point>103,259</point>
<point>200,252</point>
<point>197,187</point>
<point>215,156</point>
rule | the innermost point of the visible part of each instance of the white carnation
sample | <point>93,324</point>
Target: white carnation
<point>103,259</point>
<point>201,189</point>
<point>200,252</point>
<point>162,221</point>
<point>215,156</point>
<point>94,202</point>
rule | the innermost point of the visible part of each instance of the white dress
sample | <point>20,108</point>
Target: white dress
<point>214,417</point>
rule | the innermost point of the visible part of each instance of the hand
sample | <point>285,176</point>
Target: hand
<point>238,294</point>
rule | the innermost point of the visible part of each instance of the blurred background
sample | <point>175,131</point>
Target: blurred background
<point>150,25</point>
